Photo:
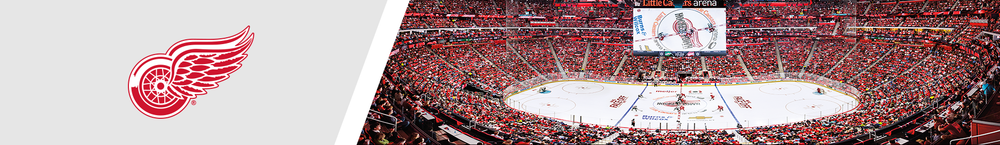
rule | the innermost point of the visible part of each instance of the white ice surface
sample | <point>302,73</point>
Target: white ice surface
<point>770,103</point>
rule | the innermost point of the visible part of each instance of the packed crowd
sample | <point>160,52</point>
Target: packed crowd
<point>912,35</point>
<point>782,32</point>
<point>806,132</point>
<point>882,22</point>
<point>537,53</point>
<point>425,62</point>
<point>655,137</point>
<point>567,32</point>
<point>456,7</point>
<point>507,60</point>
<point>435,14</point>
<point>922,21</point>
<point>763,56</point>
<point>898,61</point>
<point>827,54</point>
<point>549,10</point>
<point>880,107</point>
<point>726,66</point>
<point>762,23</point>
<point>859,60</point>
<point>964,31</point>
<point>604,60</point>
<point>672,65</point>
<point>392,116</point>
<point>413,39</point>
<point>468,60</point>
<point>881,7</point>
<point>636,65</point>
<point>570,54</point>
<point>976,4</point>
<point>908,7</point>
<point>817,8</point>
<point>936,65</point>
<point>410,38</point>
<point>794,54</point>
<point>829,29</point>
<point>898,80</point>
<point>939,6</point>
<point>877,109</point>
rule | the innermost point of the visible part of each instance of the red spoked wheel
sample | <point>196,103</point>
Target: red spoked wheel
<point>151,92</point>
<point>153,87</point>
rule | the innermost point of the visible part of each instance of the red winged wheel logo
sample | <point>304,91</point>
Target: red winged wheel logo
<point>163,84</point>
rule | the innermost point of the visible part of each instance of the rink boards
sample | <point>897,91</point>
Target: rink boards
<point>611,104</point>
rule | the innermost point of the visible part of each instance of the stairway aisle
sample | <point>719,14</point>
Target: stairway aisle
<point>559,66</point>
<point>742,64</point>
<point>620,64</point>
<point>880,58</point>
<point>841,60</point>
<point>525,61</point>
<point>608,139</point>
<point>808,59</point>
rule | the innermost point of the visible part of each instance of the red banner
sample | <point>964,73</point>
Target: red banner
<point>776,4</point>
<point>979,22</point>
<point>460,15</point>
<point>531,17</point>
<point>745,44</point>
<point>613,44</point>
<point>540,23</point>
<point>596,37</point>
<point>945,47</point>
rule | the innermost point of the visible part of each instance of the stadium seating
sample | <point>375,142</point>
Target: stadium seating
<point>897,78</point>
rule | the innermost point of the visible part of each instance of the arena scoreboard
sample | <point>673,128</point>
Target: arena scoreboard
<point>679,28</point>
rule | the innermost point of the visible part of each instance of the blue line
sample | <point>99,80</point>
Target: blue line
<point>724,102</point>
<point>633,105</point>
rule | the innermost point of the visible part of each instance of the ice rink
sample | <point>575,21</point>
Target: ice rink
<point>755,104</point>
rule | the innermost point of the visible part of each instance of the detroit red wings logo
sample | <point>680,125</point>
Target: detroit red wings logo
<point>163,84</point>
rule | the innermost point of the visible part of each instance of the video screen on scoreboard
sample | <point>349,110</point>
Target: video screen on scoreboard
<point>679,28</point>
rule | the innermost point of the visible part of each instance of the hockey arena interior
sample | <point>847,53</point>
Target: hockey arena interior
<point>793,72</point>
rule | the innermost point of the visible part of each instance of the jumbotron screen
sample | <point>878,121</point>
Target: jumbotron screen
<point>680,28</point>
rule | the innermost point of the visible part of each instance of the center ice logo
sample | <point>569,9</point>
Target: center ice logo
<point>618,102</point>
<point>742,102</point>
<point>161,85</point>
<point>569,102</point>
